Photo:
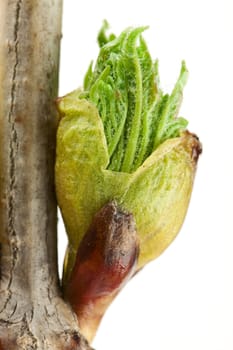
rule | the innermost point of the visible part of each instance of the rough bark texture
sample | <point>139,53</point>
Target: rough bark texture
<point>32,313</point>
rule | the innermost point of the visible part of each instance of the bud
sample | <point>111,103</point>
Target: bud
<point>120,138</point>
<point>105,261</point>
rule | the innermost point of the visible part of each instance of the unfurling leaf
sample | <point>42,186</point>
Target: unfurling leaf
<point>120,139</point>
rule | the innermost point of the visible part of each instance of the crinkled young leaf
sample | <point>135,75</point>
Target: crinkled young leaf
<point>124,85</point>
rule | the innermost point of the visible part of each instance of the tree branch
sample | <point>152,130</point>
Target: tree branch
<point>33,315</point>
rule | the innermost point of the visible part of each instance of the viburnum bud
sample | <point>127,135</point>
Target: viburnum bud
<point>120,139</point>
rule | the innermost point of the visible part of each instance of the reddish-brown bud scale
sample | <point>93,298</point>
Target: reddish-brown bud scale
<point>105,261</point>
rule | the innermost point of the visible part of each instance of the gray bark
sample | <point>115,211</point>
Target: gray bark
<point>33,314</point>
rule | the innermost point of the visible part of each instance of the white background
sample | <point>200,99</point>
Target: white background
<point>184,299</point>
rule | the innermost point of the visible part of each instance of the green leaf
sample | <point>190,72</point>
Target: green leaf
<point>102,38</point>
<point>168,117</point>
<point>124,86</point>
